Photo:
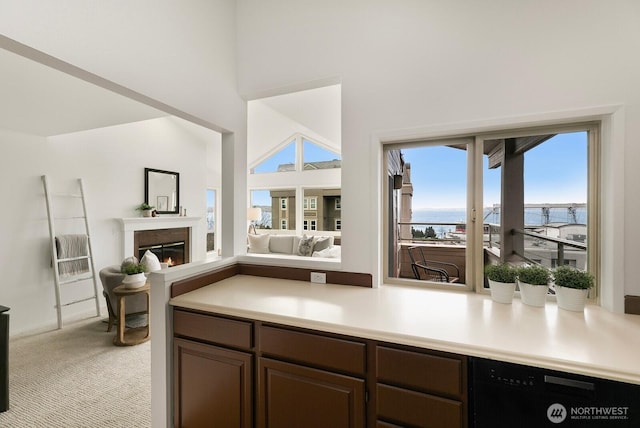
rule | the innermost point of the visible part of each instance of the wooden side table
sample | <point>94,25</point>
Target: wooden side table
<point>131,336</point>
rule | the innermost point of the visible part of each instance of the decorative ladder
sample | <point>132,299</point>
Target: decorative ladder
<point>54,253</point>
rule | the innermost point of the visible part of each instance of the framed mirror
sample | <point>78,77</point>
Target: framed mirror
<point>162,190</point>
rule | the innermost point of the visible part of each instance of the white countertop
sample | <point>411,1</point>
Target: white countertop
<point>596,343</point>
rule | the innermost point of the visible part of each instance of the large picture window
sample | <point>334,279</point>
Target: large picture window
<point>533,201</point>
<point>294,155</point>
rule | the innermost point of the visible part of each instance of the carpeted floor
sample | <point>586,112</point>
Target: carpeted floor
<point>76,377</point>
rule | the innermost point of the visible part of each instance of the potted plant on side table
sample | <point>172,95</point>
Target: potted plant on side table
<point>145,209</point>
<point>533,281</point>
<point>135,276</point>
<point>572,287</point>
<point>502,281</point>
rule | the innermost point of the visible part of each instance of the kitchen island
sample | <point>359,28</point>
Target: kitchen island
<point>403,321</point>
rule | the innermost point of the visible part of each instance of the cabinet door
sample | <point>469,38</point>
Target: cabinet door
<point>297,396</point>
<point>212,386</point>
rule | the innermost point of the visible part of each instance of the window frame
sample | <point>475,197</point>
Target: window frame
<point>475,263</point>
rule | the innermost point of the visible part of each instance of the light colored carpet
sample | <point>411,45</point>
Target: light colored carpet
<point>76,377</point>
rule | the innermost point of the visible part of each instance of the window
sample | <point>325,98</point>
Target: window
<point>338,204</point>
<point>338,224</point>
<point>306,158</point>
<point>534,201</point>
<point>211,220</point>
<point>310,203</point>
<point>316,157</point>
<point>283,160</point>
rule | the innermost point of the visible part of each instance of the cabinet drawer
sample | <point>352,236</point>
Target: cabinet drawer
<point>213,329</point>
<point>317,350</point>
<point>402,406</point>
<point>424,372</point>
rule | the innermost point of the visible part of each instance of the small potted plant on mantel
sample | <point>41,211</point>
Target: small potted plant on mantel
<point>146,209</point>
<point>502,281</point>
<point>572,287</point>
<point>533,281</point>
<point>135,276</point>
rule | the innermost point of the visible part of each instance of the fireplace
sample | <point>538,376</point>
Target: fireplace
<point>169,245</point>
<point>163,230</point>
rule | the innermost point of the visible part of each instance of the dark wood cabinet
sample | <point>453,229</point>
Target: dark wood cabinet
<point>418,388</point>
<point>213,386</point>
<point>296,396</point>
<point>213,371</point>
<point>234,372</point>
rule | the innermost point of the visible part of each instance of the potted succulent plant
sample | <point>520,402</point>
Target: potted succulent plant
<point>502,281</point>
<point>572,287</point>
<point>533,281</point>
<point>135,276</point>
<point>145,208</point>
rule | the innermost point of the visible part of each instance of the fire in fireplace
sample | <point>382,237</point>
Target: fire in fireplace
<point>169,245</point>
<point>171,253</point>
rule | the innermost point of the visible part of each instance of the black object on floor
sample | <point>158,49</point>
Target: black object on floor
<point>4,358</point>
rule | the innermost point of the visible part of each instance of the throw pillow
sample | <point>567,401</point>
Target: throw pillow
<point>150,261</point>
<point>281,244</point>
<point>305,247</point>
<point>258,244</point>
<point>322,243</point>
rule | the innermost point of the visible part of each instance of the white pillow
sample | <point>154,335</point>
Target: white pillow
<point>150,262</point>
<point>281,244</point>
<point>259,244</point>
<point>329,253</point>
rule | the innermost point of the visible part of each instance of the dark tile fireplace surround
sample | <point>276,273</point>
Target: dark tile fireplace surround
<point>164,243</point>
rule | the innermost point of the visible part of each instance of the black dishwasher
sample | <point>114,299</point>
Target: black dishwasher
<point>511,395</point>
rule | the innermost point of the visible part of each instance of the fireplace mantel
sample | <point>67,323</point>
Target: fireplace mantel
<point>133,224</point>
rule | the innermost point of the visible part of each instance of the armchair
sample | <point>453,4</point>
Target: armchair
<point>111,277</point>
<point>432,270</point>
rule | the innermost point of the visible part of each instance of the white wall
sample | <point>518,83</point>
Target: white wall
<point>180,53</point>
<point>111,162</point>
<point>427,65</point>
<point>268,129</point>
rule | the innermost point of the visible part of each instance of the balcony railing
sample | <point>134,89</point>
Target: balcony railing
<point>540,249</point>
<point>455,234</point>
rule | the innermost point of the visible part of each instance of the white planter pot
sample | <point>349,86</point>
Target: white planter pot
<point>136,280</point>
<point>146,213</point>
<point>533,295</point>
<point>571,299</point>
<point>502,292</point>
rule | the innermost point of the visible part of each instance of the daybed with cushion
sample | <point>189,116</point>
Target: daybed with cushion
<point>304,246</point>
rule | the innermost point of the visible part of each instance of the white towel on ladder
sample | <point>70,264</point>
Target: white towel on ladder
<point>68,246</point>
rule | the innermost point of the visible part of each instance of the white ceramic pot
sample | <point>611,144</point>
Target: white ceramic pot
<point>502,292</point>
<point>533,295</point>
<point>136,280</point>
<point>571,299</point>
<point>146,213</point>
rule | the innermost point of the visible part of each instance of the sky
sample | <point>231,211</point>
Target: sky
<point>311,153</point>
<point>554,172</point>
